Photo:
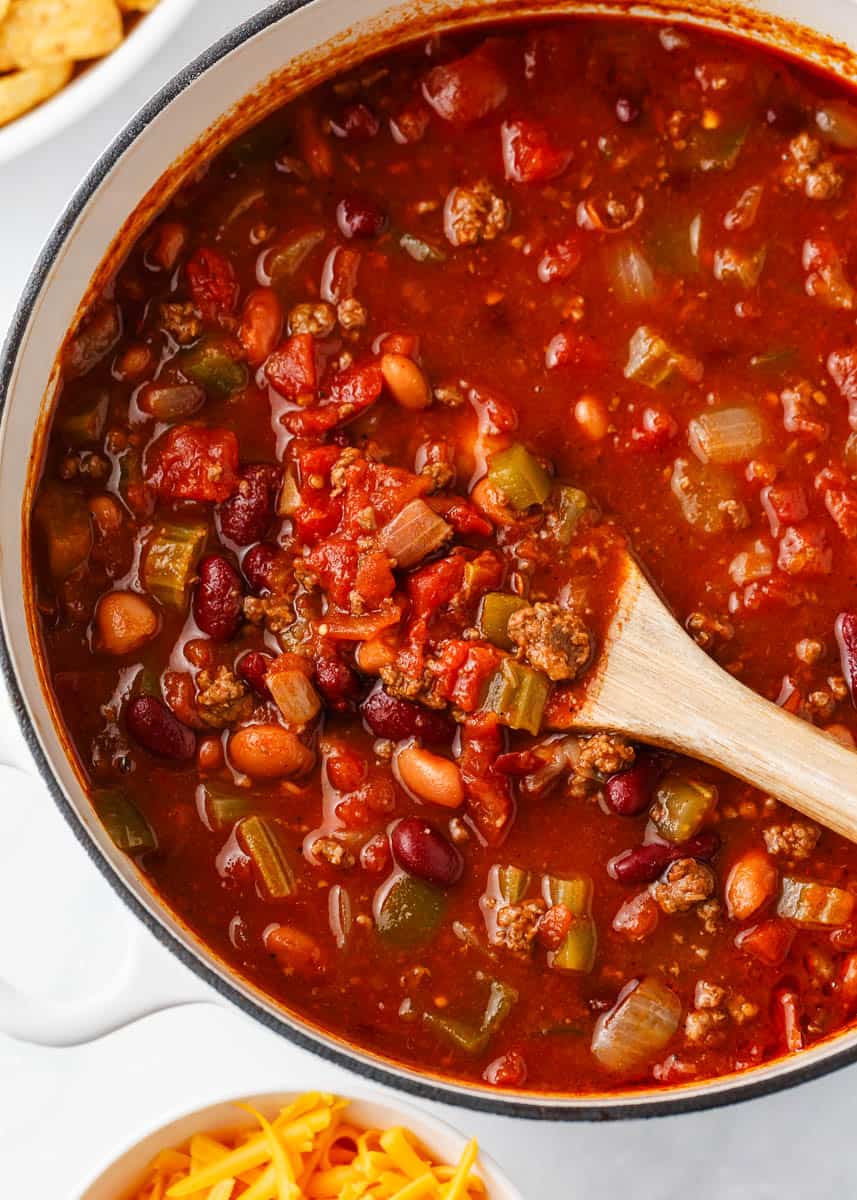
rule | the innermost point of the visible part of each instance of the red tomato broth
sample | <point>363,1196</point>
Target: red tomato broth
<point>487,314</point>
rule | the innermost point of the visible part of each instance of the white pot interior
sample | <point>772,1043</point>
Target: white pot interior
<point>314,39</point>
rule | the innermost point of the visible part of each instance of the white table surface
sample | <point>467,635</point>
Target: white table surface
<point>62,1111</point>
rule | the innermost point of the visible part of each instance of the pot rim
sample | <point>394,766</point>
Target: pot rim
<point>716,1093</point>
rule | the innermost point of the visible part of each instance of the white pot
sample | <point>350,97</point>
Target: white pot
<point>209,101</point>
<point>445,1144</point>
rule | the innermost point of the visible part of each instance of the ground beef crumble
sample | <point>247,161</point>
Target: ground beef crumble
<point>552,639</point>
<point>180,321</point>
<point>474,214</point>
<point>604,754</point>
<point>518,924</point>
<point>685,883</point>
<point>796,840</point>
<point>222,699</point>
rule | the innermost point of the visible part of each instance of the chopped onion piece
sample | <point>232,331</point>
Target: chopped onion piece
<point>707,496</point>
<point>629,272</point>
<point>730,435</point>
<point>294,695</point>
<point>414,533</point>
<point>811,905</point>
<point>289,499</point>
<point>652,360</point>
<point>638,1026</point>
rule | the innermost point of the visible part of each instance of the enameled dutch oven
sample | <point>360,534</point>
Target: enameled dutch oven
<point>236,82</point>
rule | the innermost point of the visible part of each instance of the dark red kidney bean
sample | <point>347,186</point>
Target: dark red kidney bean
<point>253,668</point>
<point>217,602</point>
<point>152,724</point>
<point>338,683</point>
<point>245,517</point>
<point>846,639</point>
<point>630,792</point>
<point>394,718</point>
<point>258,567</point>
<point>645,864</point>
<point>356,122</point>
<point>425,853</point>
<point>359,217</point>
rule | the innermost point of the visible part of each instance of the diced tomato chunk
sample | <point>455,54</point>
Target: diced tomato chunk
<point>784,504</point>
<point>291,368</point>
<point>848,982</point>
<point>194,463</point>
<point>842,366</point>
<point>212,283</point>
<point>840,499</point>
<point>348,393</point>
<point>529,156</point>
<point>261,324</point>
<point>335,563</point>
<point>462,516</point>
<point>374,580</point>
<point>462,672</point>
<point>769,941</point>
<point>467,88</point>
<point>433,586</point>
<point>489,800</point>
<point>559,260</point>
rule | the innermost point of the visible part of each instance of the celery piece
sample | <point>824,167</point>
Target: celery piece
<point>171,559</point>
<point>285,259</point>
<point>774,360</point>
<point>467,1037</point>
<point>681,807</point>
<point>147,682</point>
<point>62,515</point>
<point>420,250</point>
<point>713,149</point>
<point>258,838</point>
<point>574,892</point>
<point>128,828</point>
<point>674,245</point>
<point>86,425</point>
<point>520,478</point>
<point>571,504</point>
<point>578,948</point>
<point>494,614</point>
<point>513,883</point>
<point>209,364</point>
<point>652,361</point>
<point>224,808</point>
<point>813,905</point>
<point>577,951</point>
<point>518,695</point>
<point>410,912</point>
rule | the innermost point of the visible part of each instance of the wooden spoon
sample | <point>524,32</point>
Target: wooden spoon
<point>654,683</point>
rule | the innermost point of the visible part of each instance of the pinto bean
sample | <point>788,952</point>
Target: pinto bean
<point>268,752</point>
<point>124,622</point>
<point>298,953</point>
<point>152,724</point>
<point>425,853</point>
<point>217,601</point>
<point>429,777</point>
<point>407,383</point>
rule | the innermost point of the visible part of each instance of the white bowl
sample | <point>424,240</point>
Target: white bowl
<point>104,76</point>
<point>118,1176</point>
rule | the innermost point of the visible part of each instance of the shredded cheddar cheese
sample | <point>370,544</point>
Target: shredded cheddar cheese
<point>309,1151</point>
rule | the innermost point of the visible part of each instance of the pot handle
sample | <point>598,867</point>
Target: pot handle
<point>141,976</point>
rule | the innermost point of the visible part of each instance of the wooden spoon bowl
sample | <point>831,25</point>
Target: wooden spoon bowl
<point>653,683</point>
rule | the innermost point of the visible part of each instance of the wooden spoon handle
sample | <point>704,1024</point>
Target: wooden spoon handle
<point>660,687</point>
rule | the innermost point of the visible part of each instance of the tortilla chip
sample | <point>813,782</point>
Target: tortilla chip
<point>133,5</point>
<point>35,33</point>
<point>4,8</point>
<point>23,90</point>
